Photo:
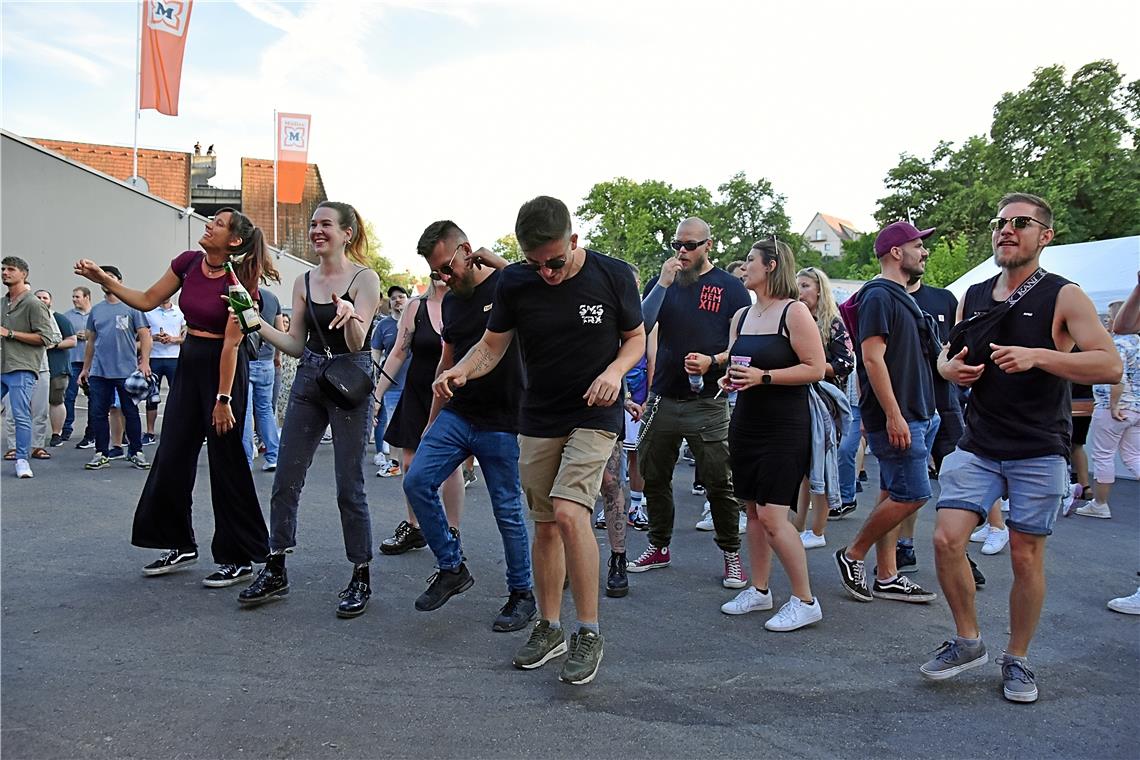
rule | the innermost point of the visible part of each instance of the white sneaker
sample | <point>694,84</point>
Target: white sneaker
<point>748,600</point>
<point>23,469</point>
<point>995,541</point>
<point>811,540</point>
<point>795,614</point>
<point>742,525</point>
<point>1095,509</point>
<point>379,459</point>
<point>980,535</point>
<point>706,521</point>
<point>1129,605</point>
<point>1005,505</point>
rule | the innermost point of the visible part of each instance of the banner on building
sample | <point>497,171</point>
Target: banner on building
<point>292,155</point>
<point>164,27</point>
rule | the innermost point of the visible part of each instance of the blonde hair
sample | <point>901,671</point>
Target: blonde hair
<point>826,309</point>
<point>781,280</point>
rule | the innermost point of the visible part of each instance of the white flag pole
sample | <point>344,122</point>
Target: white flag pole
<point>276,157</point>
<point>138,87</point>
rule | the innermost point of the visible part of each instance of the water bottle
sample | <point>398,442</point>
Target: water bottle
<point>696,383</point>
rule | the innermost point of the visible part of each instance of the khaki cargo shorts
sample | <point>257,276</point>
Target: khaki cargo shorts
<point>568,468</point>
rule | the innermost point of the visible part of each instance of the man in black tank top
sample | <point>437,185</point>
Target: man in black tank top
<point>1017,435</point>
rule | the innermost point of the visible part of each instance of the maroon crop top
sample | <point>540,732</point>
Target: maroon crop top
<point>199,301</point>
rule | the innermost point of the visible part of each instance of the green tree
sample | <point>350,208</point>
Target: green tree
<point>950,258</point>
<point>508,247</point>
<point>375,261</point>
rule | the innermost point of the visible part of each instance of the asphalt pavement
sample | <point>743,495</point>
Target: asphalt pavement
<point>99,661</point>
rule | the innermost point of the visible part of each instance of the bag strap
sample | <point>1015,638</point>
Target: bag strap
<point>1026,286</point>
<point>313,317</point>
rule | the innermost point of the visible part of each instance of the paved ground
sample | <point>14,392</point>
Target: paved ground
<point>100,662</point>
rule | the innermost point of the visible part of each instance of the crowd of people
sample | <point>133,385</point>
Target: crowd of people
<point>566,381</point>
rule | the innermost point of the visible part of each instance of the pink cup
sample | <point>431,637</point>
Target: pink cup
<point>740,361</point>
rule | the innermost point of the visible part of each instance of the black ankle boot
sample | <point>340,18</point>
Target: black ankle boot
<point>271,583</point>
<point>354,599</point>
<point>617,582</point>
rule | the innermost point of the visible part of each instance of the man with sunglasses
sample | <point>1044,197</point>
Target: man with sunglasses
<point>1017,437</point>
<point>577,317</point>
<point>691,304</point>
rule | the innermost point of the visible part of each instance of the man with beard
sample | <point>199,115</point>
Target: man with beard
<point>1017,437</point>
<point>894,352</point>
<point>480,419</point>
<point>383,341</point>
<point>692,303</point>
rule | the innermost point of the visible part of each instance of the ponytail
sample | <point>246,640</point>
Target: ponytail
<point>256,265</point>
<point>349,218</point>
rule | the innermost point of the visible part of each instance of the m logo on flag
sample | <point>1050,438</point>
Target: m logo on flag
<point>294,134</point>
<point>169,16</point>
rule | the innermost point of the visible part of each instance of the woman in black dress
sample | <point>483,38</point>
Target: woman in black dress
<point>775,352</point>
<point>419,333</point>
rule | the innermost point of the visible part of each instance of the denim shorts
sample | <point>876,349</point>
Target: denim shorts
<point>1034,487</point>
<point>903,473</point>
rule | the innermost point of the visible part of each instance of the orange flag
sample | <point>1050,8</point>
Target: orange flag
<point>164,27</point>
<point>292,155</point>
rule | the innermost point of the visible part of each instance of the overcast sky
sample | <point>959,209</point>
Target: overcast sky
<point>463,110</point>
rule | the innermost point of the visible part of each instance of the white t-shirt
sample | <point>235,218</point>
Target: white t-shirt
<point>169,321</point>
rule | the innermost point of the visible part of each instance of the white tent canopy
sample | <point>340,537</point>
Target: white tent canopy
<point>1105,269</point>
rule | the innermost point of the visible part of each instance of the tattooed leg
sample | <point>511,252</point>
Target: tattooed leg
<point>614,500</point>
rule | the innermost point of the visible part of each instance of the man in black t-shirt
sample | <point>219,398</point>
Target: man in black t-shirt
<point>480,420</point>
<point>894,352</point>
<point>578,321</point>
<point>691,303</point>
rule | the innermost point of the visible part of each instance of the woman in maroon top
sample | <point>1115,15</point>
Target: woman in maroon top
<point>208,395</point>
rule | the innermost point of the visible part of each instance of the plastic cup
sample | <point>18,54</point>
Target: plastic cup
<point>740,361</point>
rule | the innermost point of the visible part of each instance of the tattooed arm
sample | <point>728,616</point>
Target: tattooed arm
<point>400,351</point>
<point>483,357</point>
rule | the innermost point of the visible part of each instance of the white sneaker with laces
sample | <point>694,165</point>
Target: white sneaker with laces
<point>1129,605</point>
<point>980,535</point>
<point>748,600</point>
<point>795,614</point>
<point>742,526</point>
<point>706,521</point>
<point>379,459</point>
<point>1095,509</point>
<point>23,469</point>
<point>811,540</point>
<point>995,541</point>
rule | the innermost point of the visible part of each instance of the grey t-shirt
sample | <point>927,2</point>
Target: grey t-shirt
<point>270,309</point>
<point>113,327</point>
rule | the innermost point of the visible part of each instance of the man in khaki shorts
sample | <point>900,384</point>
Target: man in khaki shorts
<point>577,316</point>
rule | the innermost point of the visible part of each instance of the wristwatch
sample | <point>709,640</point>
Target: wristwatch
<point>766,378</point>
<point>224,399</point>
<point>11,332</point>
<point>712,359</point>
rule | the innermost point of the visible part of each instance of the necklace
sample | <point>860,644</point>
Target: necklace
<point>213,268</point>
<point>760,312</point>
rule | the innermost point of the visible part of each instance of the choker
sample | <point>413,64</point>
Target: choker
<point>213,268</point>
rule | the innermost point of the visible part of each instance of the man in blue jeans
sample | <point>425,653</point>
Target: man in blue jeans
<point>259,410</point>
<point>81,309</point>
<point>481,419</point>
<point>118,342</point>
<point>895,349</point>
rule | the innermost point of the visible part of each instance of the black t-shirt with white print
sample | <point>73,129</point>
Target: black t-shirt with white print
<point>568,334</point>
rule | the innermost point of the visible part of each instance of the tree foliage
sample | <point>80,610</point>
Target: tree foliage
<point>508,247</point>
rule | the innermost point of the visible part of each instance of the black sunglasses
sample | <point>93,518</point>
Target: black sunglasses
<point>551,264</point>
<point>438,274</point>
<point>1018,222</point>
<point>688,245</point>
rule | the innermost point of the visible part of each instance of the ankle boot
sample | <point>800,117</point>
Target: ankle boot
<point>354,599</point>
<point>617,582</point>
<point>271,583</point>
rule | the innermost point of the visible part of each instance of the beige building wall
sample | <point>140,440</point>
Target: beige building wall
<point>822,238</point>
<point>54,211</point>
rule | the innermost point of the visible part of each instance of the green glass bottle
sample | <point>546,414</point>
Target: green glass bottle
<point>242,303</point>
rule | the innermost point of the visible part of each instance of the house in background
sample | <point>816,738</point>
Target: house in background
<point>826,234</point>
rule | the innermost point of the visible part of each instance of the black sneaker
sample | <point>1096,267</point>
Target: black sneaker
<point>442,586</point>
<point>862,476</point>
<point>851,574</point>
<point>902,589</point>
<point>228,575</point>
<point>271,583</point>
<point>905,559</point>
<point>56,441</point>
<point>66,436</point>
<point>355,598</point>
<point>86,443</point>
<point>858,487</point>
<point>406,538</point>
<point>979,579</point>
<point>842,510</point>
<point>519,610</point>
<point>617,582</point>
<point>175,559</point>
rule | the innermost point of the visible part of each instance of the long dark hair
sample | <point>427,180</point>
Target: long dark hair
<point>256,264</point>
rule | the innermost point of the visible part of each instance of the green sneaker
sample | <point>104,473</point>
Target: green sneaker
<point>545,643</point>
<point>585,657</point>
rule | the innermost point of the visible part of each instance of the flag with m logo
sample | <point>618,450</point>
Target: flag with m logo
<point>164,27</point>
<point>292,155</point>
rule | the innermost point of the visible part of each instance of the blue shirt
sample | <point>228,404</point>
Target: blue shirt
<point>384,339</point>
<point>78,322</point>
<point>114,328</point>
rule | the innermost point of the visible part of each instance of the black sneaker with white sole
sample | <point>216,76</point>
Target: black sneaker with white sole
<point>175,559</point>
<point>228,575</point>
<point>902,589</point>
<point>853,576</point>
<point>844,509</point>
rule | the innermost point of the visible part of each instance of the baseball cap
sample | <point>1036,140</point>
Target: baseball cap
<point>898,233</point>
<point>396,289</point>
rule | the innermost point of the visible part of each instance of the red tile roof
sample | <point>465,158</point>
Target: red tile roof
<point>166,172</point>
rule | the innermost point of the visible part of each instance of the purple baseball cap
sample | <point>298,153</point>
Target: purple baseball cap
<point>898,233</point>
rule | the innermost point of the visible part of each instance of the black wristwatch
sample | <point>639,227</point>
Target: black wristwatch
<point>224,399</point>
<point>712,359</point>
<point>766,378</point>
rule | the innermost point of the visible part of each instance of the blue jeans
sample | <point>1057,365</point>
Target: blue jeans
<point>159,368</point>
<point>69,397</point>
<point>391,398</point>
<point>260,407</point>
<point>1035,488</point>
<point>102,391</point>
<point>18,386</point>
<point>848,448</point>
<point>445,445</point>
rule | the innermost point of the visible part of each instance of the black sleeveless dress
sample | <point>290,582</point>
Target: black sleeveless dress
<point>411,414</point>
<point>769,437</point>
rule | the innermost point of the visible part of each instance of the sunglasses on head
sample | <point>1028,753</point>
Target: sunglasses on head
<point>446,270</point>
<point>551,264</point>
<point>688,245</point>
<point>1018,222</point>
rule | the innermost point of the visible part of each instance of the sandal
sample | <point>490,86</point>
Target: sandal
<point>9,455</point>
<point>40,453</point>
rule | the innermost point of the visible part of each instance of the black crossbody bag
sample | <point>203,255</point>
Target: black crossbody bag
<point>979,331</point>
<point>340,378</point>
